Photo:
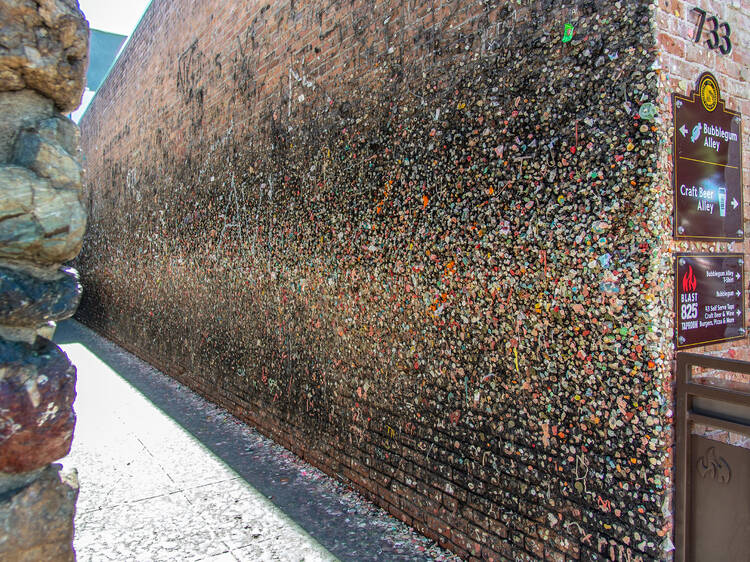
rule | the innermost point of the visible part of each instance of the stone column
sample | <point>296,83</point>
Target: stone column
<point>43,62</point>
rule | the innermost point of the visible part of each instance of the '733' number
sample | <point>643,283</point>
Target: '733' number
<point>719,32</point>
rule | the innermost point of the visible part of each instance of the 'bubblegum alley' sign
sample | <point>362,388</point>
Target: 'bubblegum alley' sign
<point>707,165</point>
<point>709,299</point>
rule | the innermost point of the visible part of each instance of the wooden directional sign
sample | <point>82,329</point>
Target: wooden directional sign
<point>709,299</point>
<point>707,165</point>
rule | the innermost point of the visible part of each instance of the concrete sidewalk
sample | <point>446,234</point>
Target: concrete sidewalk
<point>165,475</point>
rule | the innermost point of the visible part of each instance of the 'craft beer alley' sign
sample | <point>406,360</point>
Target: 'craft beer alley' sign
<point>707,165</point>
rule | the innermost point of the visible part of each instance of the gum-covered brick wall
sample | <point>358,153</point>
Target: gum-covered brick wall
<point>422,244</point>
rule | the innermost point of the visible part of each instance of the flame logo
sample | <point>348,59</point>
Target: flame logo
<point>689,282</point>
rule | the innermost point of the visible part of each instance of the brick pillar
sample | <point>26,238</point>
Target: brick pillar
<point>43,61</point>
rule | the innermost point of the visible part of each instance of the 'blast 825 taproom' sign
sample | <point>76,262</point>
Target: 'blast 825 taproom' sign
<point>709,299</point>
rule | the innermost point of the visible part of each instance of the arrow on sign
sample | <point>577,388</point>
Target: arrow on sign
<point>684,130</point>
<point>734,203</point>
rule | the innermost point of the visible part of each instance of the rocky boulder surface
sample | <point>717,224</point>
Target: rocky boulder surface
<point>29,299</point>
<point>20,110</point>
<point>44,47</point>
<point>36,521</point>
<point>43,63</point>
<point>37,220</point>
<point>37,389</point>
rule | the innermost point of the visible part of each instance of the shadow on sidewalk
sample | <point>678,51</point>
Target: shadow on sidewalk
<point>340,520</point>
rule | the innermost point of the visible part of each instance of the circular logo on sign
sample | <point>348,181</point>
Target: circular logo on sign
<point>709,92</point>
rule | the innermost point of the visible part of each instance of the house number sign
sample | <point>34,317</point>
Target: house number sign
<point>718,32</point>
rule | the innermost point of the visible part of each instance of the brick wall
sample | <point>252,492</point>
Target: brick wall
<point>422,244</point>
<point>681,61</point>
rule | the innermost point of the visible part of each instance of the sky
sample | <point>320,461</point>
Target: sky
<point>114,16</point>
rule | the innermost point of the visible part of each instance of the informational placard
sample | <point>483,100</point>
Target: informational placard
<point>709,299</point>
<point>707,165</point>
